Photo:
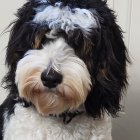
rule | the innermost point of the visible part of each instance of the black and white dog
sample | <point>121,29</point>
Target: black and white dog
<point>66,72</point>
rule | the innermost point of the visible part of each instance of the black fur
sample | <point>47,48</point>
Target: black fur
<point>103,52</point>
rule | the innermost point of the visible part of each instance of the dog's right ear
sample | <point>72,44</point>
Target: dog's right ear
<point>20,34</point>
<point>21,38</point>
<point>24,35</point>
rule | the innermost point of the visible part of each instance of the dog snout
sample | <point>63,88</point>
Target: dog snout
<point>51,79</point>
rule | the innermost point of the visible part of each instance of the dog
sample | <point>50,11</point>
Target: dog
<point>66,72</point>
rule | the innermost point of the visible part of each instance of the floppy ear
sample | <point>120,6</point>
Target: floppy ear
<point>109,75</point>
<point>21,33</point>
<point>21,38</point>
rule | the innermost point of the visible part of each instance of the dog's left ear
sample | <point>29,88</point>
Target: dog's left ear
<point>109,75</point>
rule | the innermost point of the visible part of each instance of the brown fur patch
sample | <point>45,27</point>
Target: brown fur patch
<point>104,73</point>
<point>38,38</point>
<point>87,46</point>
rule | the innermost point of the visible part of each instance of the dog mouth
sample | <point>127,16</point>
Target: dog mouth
<point>51,100</point>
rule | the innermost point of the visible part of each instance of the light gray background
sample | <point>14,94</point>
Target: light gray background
<point>127,127</point>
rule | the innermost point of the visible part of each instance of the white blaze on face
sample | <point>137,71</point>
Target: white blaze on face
<point>67,19</point>
<point>60,56</point>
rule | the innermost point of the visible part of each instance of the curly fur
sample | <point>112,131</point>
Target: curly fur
<point>101,48</point>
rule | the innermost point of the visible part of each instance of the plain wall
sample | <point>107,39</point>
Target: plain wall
<point>127,127</point>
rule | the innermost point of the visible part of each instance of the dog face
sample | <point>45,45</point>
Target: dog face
<point>62,54</point>
<point>53,78</point>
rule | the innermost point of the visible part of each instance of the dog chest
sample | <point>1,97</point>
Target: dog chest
<point>26,124</point>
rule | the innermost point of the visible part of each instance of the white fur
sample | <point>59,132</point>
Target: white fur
<point>42,1</point>
<point>27,124</point>
<point>5,116</point>
<point>67,19</point>
<point>61,57</point>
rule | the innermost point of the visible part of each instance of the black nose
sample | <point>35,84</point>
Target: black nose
<point>51,79</point>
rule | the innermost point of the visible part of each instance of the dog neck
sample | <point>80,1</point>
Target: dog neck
<point>66,116</point>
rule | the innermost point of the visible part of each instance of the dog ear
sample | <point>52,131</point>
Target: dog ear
<point>21,33</point>
<point>109,75</point>
<point>21,38</point>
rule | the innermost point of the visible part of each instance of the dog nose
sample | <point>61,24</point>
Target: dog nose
<point>51,79</point>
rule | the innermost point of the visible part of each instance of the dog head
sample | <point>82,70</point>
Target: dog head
<point>62,54</point>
